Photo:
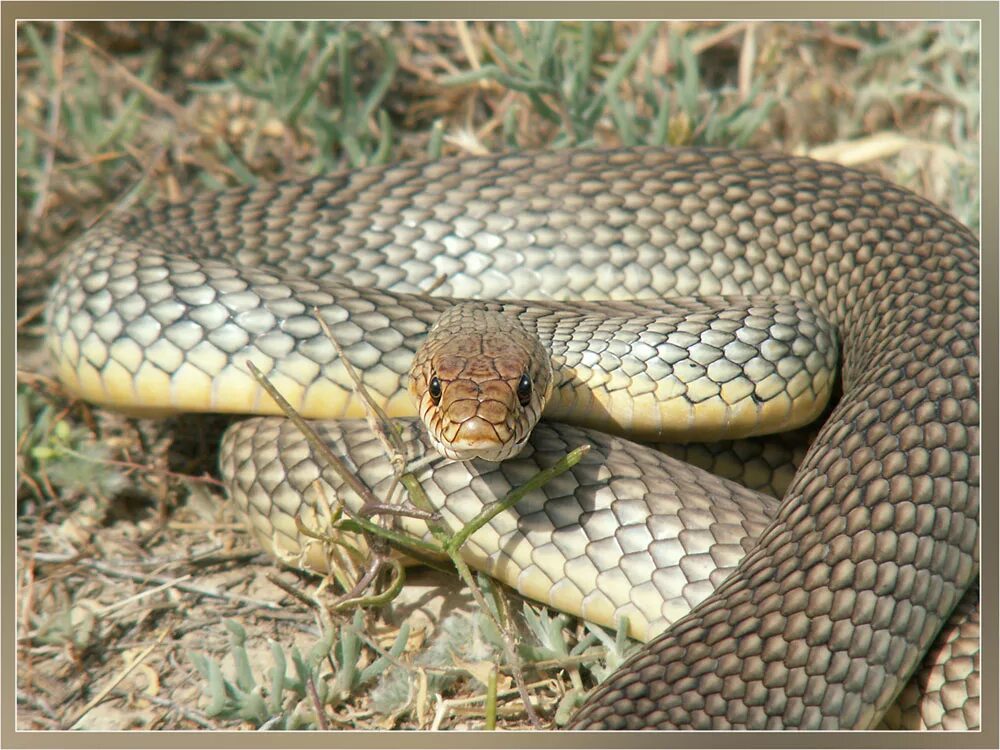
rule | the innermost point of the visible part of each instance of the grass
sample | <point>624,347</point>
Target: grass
<point>171,109</point>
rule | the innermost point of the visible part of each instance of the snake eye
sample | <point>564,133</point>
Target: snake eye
<point>435,390</point>
<point>524,390</point>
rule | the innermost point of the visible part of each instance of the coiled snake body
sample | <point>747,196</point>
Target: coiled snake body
<point>875,542</point>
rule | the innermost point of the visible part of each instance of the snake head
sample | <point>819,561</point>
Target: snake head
<point>480,381</point>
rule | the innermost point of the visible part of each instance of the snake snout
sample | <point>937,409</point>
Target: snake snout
<point>478,438</point>
<point>474,413</point>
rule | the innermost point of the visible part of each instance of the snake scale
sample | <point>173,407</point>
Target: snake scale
<point>875,542</point>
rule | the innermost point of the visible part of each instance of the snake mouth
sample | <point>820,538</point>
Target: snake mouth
<point>494,453</point>
<point>478,438</point>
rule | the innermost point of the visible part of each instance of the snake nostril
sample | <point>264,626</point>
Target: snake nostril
<point>435,390</point>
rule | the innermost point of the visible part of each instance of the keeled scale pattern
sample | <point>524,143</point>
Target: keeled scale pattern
<point>876,539</point>
<point>627,532</point>
<point>140,324</point>
<point>945,692</point>
<point>578,540</point>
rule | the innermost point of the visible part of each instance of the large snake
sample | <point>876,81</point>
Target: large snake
<point>847,583</point>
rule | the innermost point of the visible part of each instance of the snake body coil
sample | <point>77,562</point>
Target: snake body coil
<point>874,543</point>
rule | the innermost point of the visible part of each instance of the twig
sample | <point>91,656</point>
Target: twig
<point>748,56</point>
<point>130,196</point>
<point>446,705</point>
<point>491,700</point>
<point>27,585</point>
<point>722,35</point>
<point>454,546</point>
<point>292,591</point>
<point>354,597</point>
<point>141,595</point>
<point>377,546</point>
<point>335,462</point>
<point>33,312</point>
<point>317,704</point>
<point>133,663</point>
<point>376,417</point>
<point>132,466</point>
<point>484,516</point>
<point>142,578</point>
<point>190,714</point>
<point>451,544</point>
<point>462,30</point>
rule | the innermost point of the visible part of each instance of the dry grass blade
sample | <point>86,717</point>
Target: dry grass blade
<point>376,417</point>
<point>177,583</point>
<point>160,100</point>
<point>125,672</point>
<point>52,131</point>
<point>367,498</point>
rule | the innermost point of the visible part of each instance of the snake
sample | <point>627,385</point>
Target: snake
<point>698,293</point>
